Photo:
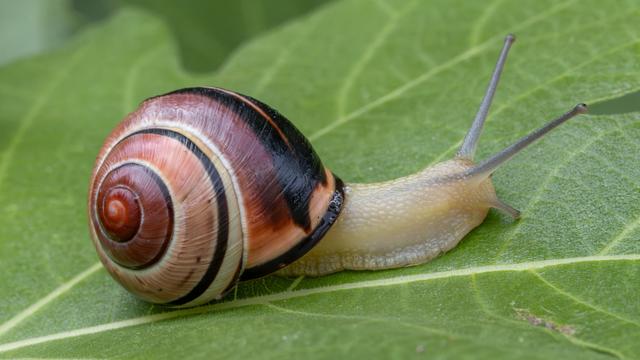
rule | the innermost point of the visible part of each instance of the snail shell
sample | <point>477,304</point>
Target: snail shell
<point>201,187</point>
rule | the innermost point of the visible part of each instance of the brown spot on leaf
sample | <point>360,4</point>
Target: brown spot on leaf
<point>524,314</point>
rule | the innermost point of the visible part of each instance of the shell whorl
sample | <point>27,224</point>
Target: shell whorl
<point>201,187</point>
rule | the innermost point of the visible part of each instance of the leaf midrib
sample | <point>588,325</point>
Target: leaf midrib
<point>265,299</point>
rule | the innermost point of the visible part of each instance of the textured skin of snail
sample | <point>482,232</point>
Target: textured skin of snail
<point>202,187</point>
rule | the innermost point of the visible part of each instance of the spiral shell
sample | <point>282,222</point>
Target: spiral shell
<point>202,187</point>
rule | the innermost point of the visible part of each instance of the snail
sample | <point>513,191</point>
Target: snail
<point>203,187</point>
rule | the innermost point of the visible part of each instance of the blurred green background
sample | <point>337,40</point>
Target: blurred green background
<point>206,31</point>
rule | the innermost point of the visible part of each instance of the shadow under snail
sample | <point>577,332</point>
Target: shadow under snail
<point>202,187</point>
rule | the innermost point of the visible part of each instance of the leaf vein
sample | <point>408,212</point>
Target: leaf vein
<point>524,95</point>
<point>580,301</point>
<point>367,55</point>
<point>131,79</point>
<point>30,116</point>
<point>399,91</point>
<point>286,295</point>
<point>478,25</point>
<point>285,54</point>
<point>56,293</point>
<point>537,196</point>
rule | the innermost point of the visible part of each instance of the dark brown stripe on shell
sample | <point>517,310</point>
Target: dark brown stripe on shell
<point>223,213</point>
<point>233,282</point>
<point>298,168</point>
<point>306,244</point>
<point>254,105</point>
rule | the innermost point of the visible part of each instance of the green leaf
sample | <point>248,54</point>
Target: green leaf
<point>207,31</point>
<point>382,89</point>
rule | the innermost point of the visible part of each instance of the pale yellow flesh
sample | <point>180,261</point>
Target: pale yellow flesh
<point>403,222</point>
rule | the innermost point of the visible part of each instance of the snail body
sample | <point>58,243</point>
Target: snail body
<point>400,222</point>
<point>203,187</point>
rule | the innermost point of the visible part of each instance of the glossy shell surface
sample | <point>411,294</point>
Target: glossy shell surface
<point>201,187</point>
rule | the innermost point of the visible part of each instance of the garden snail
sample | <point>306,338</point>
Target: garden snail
<point>202,187</point>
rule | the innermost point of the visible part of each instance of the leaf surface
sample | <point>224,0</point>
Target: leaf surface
<point>382,89</point>
<point>207,31</point>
